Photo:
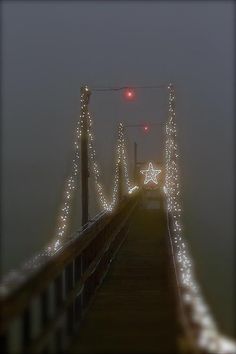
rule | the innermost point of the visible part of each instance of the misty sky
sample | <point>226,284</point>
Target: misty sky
<point>51,48</point>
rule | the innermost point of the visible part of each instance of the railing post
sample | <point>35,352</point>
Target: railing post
<point>84,99</point>
<point>26,329</point>
<point>77,278</point>
<point>4,343</point>
<point>58,286</point>
<point>69,284</point>
<point>44,313</point>
<point>44,307</point>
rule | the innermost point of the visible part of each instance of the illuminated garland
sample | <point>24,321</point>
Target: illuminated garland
<point>121,158</point>
<point>71,182</point>
<point>208,338</point>
<point>124,159</point>
<point>99,187</point>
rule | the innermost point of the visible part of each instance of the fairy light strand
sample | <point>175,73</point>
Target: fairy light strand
<point>120,160</point>
<point>72,181</point>
<point>209,338</point>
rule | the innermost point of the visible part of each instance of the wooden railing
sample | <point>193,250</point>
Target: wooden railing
<point>185,334</point>
<point>49,301</point>
<point>189,328</point>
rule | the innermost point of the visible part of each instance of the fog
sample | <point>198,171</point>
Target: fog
<point>50,49</point>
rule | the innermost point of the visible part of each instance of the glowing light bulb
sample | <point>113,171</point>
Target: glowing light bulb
<point>129,94</point>
<point>146,128</point>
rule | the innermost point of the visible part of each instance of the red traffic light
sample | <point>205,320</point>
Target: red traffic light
<point>129,94</point>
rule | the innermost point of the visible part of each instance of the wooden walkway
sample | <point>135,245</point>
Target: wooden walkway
<point>133,310</point>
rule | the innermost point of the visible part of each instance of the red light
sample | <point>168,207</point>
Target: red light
<point>146,128</point>
<point>129,94</point>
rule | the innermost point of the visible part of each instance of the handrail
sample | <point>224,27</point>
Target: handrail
<point>15,278</point>
<point>50,266</point>
<point>180,306</point>
<point>74,271</point>
<point>191,330</point>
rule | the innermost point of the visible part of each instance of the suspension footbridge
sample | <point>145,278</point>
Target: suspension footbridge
<point>125,282</point>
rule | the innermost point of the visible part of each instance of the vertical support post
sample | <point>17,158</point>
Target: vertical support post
<point>44,308</point>
<point>58,286</point>
<point>120,140</point>
<point>120,184</point>
<point>85,94</point>
<point>135,162</point>
<point>77,278</point>
<point>44,299</point>
<point>26,328</point>
<point>4,343</point>
<point>69,284</point>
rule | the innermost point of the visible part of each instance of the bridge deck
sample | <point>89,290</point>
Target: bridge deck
<point>133,310</point>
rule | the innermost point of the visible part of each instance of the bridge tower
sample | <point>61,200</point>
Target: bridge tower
<point>85,95</point>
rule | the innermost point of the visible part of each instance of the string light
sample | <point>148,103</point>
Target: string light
<point>150,174</point>
<point>209,337</point>
<point>120,161</point>
<point>72,180</point>
<point>123,156</point>
<point>99,187</point>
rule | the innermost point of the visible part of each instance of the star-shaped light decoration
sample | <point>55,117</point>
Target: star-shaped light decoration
<point>150,174</point>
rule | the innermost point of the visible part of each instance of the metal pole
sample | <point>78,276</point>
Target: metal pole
<point>135,162</point>
<point>120,184</point>
<point>85,94</point>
